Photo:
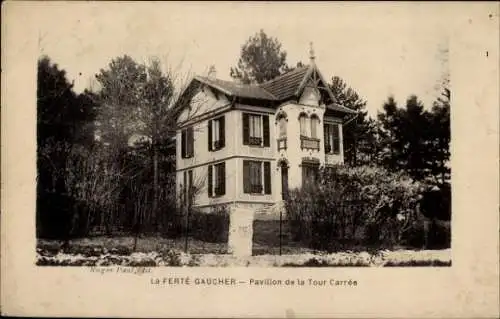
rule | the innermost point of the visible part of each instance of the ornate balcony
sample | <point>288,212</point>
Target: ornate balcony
<point>309,143</point>
<point>282,143</point>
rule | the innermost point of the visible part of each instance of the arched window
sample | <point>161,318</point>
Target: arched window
<point>281,120</point>
<point>314,126</point>
<point>303,124</point>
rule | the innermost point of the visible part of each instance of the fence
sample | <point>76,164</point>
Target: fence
<point>59,217</point>
<point>311,230</point>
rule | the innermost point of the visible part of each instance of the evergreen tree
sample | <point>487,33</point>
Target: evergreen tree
<point>389,131</point>
<point>64,119</point>
<point>439,147</point>
<point>416,140</point>
<point>261,59</point>
<point>358,134</point>
<point>137,101</point>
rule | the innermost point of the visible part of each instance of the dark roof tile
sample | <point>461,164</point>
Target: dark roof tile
<point>286,85</point>
<point>236,89</point>
<point>280,88</point>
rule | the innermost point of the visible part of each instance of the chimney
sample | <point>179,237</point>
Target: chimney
<point>212,72</point>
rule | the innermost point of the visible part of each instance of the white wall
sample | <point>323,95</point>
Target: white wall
<point>200,173</point>
<point>235,152</point>
<point>294,153</point>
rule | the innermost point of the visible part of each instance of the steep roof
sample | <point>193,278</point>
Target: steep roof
<point>286,85</point>
<point>236,89</point>
<point>279,89</point>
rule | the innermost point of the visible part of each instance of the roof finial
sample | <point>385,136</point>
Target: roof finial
<point>212,72</point>
<point>311,52</point>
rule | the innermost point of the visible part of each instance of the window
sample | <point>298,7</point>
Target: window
<point>281,121</point>
<point>314,126</point>
<point>256,177</point>
<point>216,134</point>
<point>332,138</point>
<point>255,129</point>
<point>255,126</point>
<point>308,139</point>
<point>187,188</point>
<point>282,125</point>
<point>187,142</point>
<point>217,179</point>
<point>309,173</point>
<point>303,123</point>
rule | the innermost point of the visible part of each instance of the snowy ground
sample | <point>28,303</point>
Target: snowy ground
<point>111,252</point>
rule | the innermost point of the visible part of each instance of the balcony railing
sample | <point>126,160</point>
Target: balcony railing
<point>309,143</point>
<point>254,141</point>
<point>256,189</point>
<point>282,143</point>
<point>217,145</point>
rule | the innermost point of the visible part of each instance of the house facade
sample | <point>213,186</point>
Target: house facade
<point>248,145</point>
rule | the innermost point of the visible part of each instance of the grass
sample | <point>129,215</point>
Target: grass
<point>94,246</point>
<point>155,251</point>
<point>266,239</point>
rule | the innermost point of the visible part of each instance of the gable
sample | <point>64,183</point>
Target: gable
<point>204,100</point>
<point>310,96</point>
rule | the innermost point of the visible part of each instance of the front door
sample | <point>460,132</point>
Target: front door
<point>284,181</point>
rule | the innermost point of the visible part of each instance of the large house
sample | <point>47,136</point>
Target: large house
<point>247,145</point>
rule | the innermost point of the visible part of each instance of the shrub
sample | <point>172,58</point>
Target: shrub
<point>352,206</point>
<point>210,227</point>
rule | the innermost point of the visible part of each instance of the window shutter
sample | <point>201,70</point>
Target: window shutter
<point>209,180</point>
<point>183,143</point>
<point>265,125</point>
<point>304,175</point>
<point>190,142</point>
<point>209,135</point>
<point>325,132</point>
<point>222,178</point>
<point>267,177</point>
<point>246,129</point>
<point>336,139</point>
<point>246,176</point>
<point>222,132</point>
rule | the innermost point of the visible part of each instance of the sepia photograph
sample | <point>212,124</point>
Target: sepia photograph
<point>250,159</point>
<point>278,146</point>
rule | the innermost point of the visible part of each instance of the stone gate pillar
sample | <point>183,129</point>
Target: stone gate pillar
<point>240,231</point>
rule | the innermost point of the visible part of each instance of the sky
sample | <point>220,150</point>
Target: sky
<point>378,49</point>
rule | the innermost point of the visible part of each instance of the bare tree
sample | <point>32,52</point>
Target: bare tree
<point>144,99</point>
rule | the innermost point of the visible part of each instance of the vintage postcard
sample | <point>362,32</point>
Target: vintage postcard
<point>250,159</point>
